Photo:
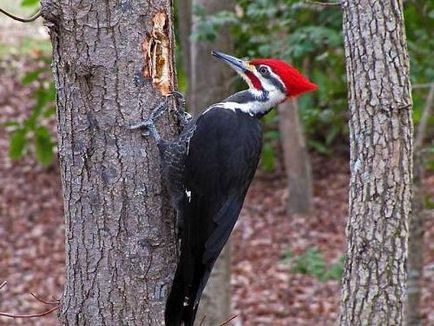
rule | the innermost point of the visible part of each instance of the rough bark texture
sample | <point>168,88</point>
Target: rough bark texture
<point>416,243</point>
<point>297,164</point>
<point>120,243</point>
<point>209,82</point>
<point>381,135</point>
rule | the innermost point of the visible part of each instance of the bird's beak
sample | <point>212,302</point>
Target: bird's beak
<point>238,65</point>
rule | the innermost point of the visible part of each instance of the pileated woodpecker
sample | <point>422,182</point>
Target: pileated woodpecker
<point>208,169</point>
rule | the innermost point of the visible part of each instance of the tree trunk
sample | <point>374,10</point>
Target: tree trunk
<point>381,138</point>
<point>416,244</point>
<point>112,61</point>
<point>296,159</point>
<point>209,82</point>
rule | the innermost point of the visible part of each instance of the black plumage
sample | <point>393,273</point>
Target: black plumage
<point>220,152</point>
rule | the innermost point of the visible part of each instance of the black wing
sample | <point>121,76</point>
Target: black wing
<point>221,161</point>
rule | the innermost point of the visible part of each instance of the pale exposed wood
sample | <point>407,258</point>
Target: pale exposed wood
<point>381,139</point>
<point>120,240</point>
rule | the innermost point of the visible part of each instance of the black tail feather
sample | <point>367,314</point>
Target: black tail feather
<point>184,297</point>
<point>175,301</point>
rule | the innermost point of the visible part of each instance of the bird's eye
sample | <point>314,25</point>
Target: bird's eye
<point>263,70</point>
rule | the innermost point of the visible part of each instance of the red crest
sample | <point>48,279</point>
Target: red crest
<point>295,83</point>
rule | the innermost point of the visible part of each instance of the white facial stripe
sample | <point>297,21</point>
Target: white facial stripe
<point>274,96</point>
<point>253,108</point>
<point>277,77</point>
<point>267,84</point>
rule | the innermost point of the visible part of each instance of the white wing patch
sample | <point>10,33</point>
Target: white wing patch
<point>188,194</point>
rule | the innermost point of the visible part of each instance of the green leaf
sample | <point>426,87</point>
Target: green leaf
<point>272,135</point>
<point>29,3</point>
<point>268,157</point>
<point>332,134</point>
<point>50,111</point>
<point>319,147</point>
<point>311,263</point>
<point>335,271</point>
<point>43,146</point>
<point>10,124</point>
<point>428,202</point>
<point>31,76</point>
<point>51,92</point>
<point>17,144</point>
<point>287,257</point>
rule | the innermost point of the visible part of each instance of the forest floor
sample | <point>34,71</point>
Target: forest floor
<point>268,285</point>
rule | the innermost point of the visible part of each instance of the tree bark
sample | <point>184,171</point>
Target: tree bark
<point>381,139</point>
<point>112,61</point>
<point>209,82</point>
<point>296,159</point>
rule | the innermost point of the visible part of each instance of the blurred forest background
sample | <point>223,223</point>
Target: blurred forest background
<point>286,266</point>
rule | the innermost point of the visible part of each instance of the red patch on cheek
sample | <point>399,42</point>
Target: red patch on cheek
<point>255,81</point>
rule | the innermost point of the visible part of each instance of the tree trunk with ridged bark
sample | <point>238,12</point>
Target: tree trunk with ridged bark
<point>112,61</point>
<point>381,138</point>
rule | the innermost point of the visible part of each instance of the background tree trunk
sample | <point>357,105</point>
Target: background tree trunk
<point>184,31</point>
<point>209,82</point>
<point>416,243</point>
<point>120,243</point>
<point>296,158</point>
<point>381,138</point>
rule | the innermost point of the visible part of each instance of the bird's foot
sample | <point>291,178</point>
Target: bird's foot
<point>183,117</point>
<point>148,125</point>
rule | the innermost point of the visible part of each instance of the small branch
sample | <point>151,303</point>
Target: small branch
<point>3,284</point>
<point>23,20</point>
<point>324,4</point>
<point>226,322</point>
<point>203,320</point>
<point>41,314</point>
<point>421,130</point>
<point>44,313</point>
<point>43,300</point>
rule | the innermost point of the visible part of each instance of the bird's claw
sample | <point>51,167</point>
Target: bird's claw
<point>180,100</point>
<point>153,116</point>
<point>142,124</point>
<point>183,116</point>
<point>148,125</point>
